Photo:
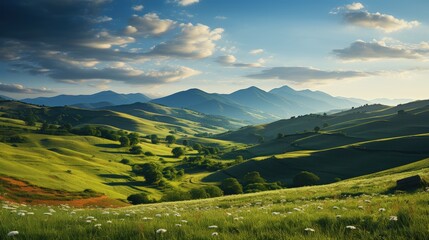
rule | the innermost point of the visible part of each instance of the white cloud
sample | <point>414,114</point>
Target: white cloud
<point>102,19</point>
<point>256,51</point>
<point>130,30</point>
<point>138,7</point>
<point>231,60</point>
<point>383,49</point>
<point>186,2</point>
<point>194,41</point>
<point>104,40</point>
<point>151,25</point>
<point>355,14</point>
<point>227,59</point>
<point>18,88</point>
<point>306,74</point>
<point>355,6</point>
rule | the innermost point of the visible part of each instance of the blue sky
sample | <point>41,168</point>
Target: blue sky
<point>366,49</point>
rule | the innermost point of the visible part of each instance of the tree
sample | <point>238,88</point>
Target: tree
<point>170,139</point>
<point>134,138</point>
<point>150,172</point>
<point>213,191</point>
<point>305,179</point>
<point>136,150</point>
<point>316,129</point>
<point>239,159</point>
<point>178,151</point>
<point>197,147</point>
<point>231,186</point>
<point>175,195</point>
<point>253,177</point>
<point>185,142</point>
<point>280,135</point>
<point>154,139</point>
<point>139,198</point>
<point>125,141</point>
<point>198,193</point>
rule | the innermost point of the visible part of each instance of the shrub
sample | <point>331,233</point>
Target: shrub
<point>136,150</point>
<point>231,186</point>
<point>170,139</point>
<point>139,198</point>
<point>125,161</point>
<point>178,151</point>
<point>124,141</point>
<point>253,177</point>
<point>213,191</point>
<point>305,179</point>
<point>175,195</point>
<point>198,193</point>
<point>149,154</point>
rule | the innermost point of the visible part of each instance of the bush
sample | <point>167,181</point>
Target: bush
<point>170,139</point>
<point>253,177</point>
<point>305,179</point>
<point>178,151</point>
<point>139,198</point>
<point>136,150</point>
<point>213,191</point>
<point>149,154</point>
<point>175,195</point>
<point>231,186</point>
<point>150,172</point>
<point>125,161</point>
<point>125,141</point>
<point>198,193</point>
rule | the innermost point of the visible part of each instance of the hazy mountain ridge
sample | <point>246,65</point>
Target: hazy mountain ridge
<point>106,96</point>
<point>252,104</point>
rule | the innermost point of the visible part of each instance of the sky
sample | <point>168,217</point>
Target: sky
<point>362,49</point>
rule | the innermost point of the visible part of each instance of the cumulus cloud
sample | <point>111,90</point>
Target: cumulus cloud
<point>186,2</point>
<point>383,49</point>
<point>151,25</point>
<point>354,6</point>
<point>194,42</point>
<point>18,88</point>
<point>138,7</point>
<point>125,74</point>
<point>231,60</point>
<point>130,30</point>
<point>355,14</point>
<point>256,51</point>
<point>305,74</point>
<point>105,40</point>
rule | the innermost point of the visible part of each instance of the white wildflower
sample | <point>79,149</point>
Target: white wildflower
<point>393,218</point>
<point>275,213</point>
<point>381,209</point>
<point>309,230</point>
<point>12,233</point>
<point>161,231</point>
<point>213,226</point>
<point>98,225</point>
<point>350,227</point>
<point>178,225</point>
<point>215,234</point>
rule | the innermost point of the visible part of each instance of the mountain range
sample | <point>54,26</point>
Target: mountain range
<point>252,104</point>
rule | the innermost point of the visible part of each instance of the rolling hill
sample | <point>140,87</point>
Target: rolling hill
<point>112,98</point>
<point>160,113</point>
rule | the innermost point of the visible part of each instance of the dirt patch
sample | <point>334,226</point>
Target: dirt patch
<point>15,190</point>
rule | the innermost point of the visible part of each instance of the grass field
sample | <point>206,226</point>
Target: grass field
<point>361,208</point>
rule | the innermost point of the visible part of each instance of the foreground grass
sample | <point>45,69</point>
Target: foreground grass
<point>329,210</point>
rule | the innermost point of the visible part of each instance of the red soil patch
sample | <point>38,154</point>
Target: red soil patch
<point>23,192</point>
